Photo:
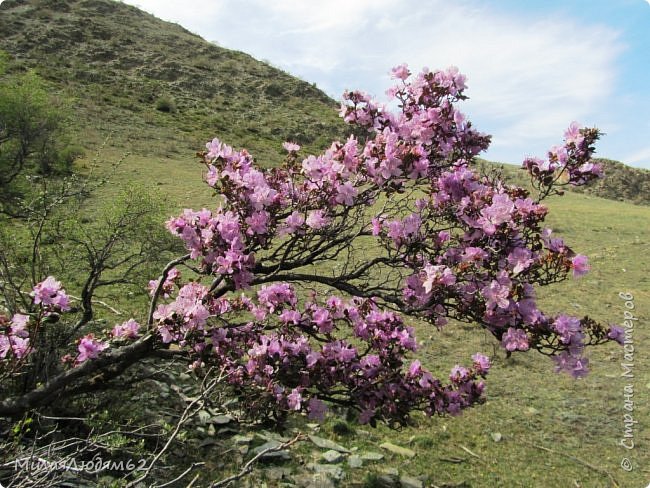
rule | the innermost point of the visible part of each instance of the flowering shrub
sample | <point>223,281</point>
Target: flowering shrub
<point>308,269</point>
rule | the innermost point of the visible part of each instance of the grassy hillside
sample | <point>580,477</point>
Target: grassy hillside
<point>160,91</point>
<point>621,183</point>
<point>156,88</point>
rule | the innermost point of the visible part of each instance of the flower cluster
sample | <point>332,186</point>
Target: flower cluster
<point>358,357</point>
<point>569,163</point>
<point>449,242</point>
<point>49,294</point>
<point>14,337</point>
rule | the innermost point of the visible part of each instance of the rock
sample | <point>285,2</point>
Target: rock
<point>241,440</point>
<point>402,451</point>
<point>317,480</point>
<point>221,419</point>
<point>332,456</point>
<point>208,443</point>
<point>496,436</point>
<point>410,482</point>
<point>372,456</point>
<point>277,474</point>
<point>391,471</point>
<point>204,417</point>
<point>355,461</point>
<point>328,444</point>
<point>334,472</point>
<point>282,455</point>
<point>387,481</point>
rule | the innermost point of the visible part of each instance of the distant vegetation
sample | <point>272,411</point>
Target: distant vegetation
<point>141,80</point>
<point>621,182</point>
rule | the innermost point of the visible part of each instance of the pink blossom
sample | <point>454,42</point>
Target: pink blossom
<point>346,193</point>
<point>316,219</point>
<point>20,346</point>
<point>19,325</point>
<point>50,294</point>
<point>497,213</point>
<point>400,72</point>
<point>520,258</point>
<point>580,265</point>
<point>496,295</point>
<point>376,226</point>
<point>291,146</point>
<point>572,135</point>
<point>515,340</point>
<point>293,222</point>
<point>89,348</point>
<point>258,222</point>
<point>126,330</point>
<point>294,399</point>
<point>481,362</point>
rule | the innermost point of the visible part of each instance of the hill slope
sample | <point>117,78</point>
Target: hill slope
<point>156,86</point>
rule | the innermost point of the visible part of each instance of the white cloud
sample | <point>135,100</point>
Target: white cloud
<point>528,77</point>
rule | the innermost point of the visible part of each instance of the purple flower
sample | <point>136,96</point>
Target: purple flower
<point>291,146</point>
<point>50,294</point>
<point>481,363</point>
<point>566,327</point>
<point>520,259</point>
<point>617,334</point>
<point>294,399</point>
<point>322,319</point>
<point>579,265</point>
<point>496,214</point>
<point>89,348</point>
<point>346,194</point>
<point>316,219</point>
<point>515,340</point>
<point>400,72</point>
<point>293,222</point>
<point>19,325</point>
<point>127,330</point>
<point>496,295</point>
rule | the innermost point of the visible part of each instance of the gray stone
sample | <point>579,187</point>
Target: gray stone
<point>355,461</point>
<point>332,456</point>
<point>316,480</point>
<point>328,444</point>
<point>387,481</point>
<point>242,439</point>
<point>334,472</point>
<point>402,451</point>
<point>277,474</point>
<point>410,482</point>
<point>282,455</point>
<point>372,456</point>
<point>221,419</point>
<point>204,416</point>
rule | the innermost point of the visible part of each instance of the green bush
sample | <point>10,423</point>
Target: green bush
<point>166,105</point>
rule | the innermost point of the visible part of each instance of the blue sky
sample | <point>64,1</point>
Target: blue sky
<point>532,67</point>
